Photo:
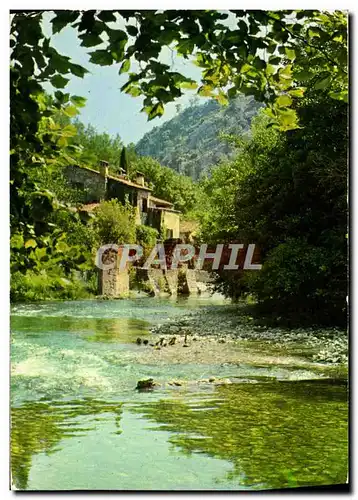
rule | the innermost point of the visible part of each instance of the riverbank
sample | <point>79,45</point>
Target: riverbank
<point>232,324</point>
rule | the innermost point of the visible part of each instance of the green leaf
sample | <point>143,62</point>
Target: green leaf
<point>101,57</point>
<point>125,66</point>
<point>297,92</point>
<point>59,63</point>
<point>62,142</point>
<point>90,40</point>
<point>283,101</point>
<point>206,91</point>
<point>287,119</point>
<point>107,16</point>
<point>185,46</point>
<point>272,47</point>
<point>303,75</point>
<point>30,244</point>
<point>78,100</point>
<point>163,95</point>
<point>147,109</point>
<point>62,19</point>
<point>270,70</point>
<point>157,110</point>
<point>78,70</point>
<point>117,36</point>
<point>286,73</point>
<point>322,83</point>
<point>259,63</point>
<point>126,86</point>
<point>69,131</point>
<point>232,92</point>
<point>60,96</point>
<point>222,99</point>
<point>290,53</point>
<point>275,60</point>
<point>191,85</point>
<point>62,247</point>
<point>339,95</point>
<point>131,30</point>
<point>245,68</point>
<point>17,241</point>
<point>59,81</point>
<point>133,91</point>
<point>71,111</point>
<point>40,253</point>
<point>167,36</point>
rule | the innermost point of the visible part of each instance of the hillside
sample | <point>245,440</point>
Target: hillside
<point>190,142</point>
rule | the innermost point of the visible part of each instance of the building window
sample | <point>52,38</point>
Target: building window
<point>144,205</point>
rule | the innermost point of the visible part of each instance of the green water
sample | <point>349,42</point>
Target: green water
<point>78,423</point>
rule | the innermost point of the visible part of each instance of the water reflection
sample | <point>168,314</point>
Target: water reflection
<point>274,434</point>
<point>93,329</point>
<point>41,426</point>
<point>277,435</point>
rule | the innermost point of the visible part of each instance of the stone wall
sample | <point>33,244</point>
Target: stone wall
<point>113,283</point>
<point>189,285</point>
<point>91,182</point>
<point>154,279</point>
<point>172,281</point>
<point>161,281</point>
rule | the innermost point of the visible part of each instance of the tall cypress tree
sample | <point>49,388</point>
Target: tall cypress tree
<point>124,163</point>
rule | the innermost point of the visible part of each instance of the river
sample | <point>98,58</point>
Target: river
<point>78,423</point>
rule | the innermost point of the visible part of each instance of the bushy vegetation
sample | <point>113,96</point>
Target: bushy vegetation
<point>287,193</point>
<point>48,268</point>
<point>36,286</point>
<point>97,146</point>
<point>146,236</point>
<point>115,223</point>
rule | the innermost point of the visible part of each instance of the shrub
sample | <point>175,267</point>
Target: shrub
<point>146,236</point>
<point>34,286</point>
<point>115,223</point>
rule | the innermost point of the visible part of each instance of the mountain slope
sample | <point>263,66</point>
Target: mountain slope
<point>189,143</point>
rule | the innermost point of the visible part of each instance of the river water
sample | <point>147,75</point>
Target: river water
<point>78,422</point>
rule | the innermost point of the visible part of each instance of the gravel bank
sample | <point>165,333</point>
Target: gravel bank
<point>224,324</point>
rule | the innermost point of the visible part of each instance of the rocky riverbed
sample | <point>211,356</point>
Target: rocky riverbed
<point>210,350</point>
<point>230,326</point>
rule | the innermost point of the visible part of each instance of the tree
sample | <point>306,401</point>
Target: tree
<point>287,193</point>
<point>124,163</point>
<point>115,223</point>
<point>97,146</point>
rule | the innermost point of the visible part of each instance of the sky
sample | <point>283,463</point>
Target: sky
<point>107,108</point>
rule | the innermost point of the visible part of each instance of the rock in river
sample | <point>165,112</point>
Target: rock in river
<point>146,385</point>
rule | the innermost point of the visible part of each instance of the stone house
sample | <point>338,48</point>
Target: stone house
<point>100,185</point>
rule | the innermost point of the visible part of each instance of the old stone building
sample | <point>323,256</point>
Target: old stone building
<point>99,185</point>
